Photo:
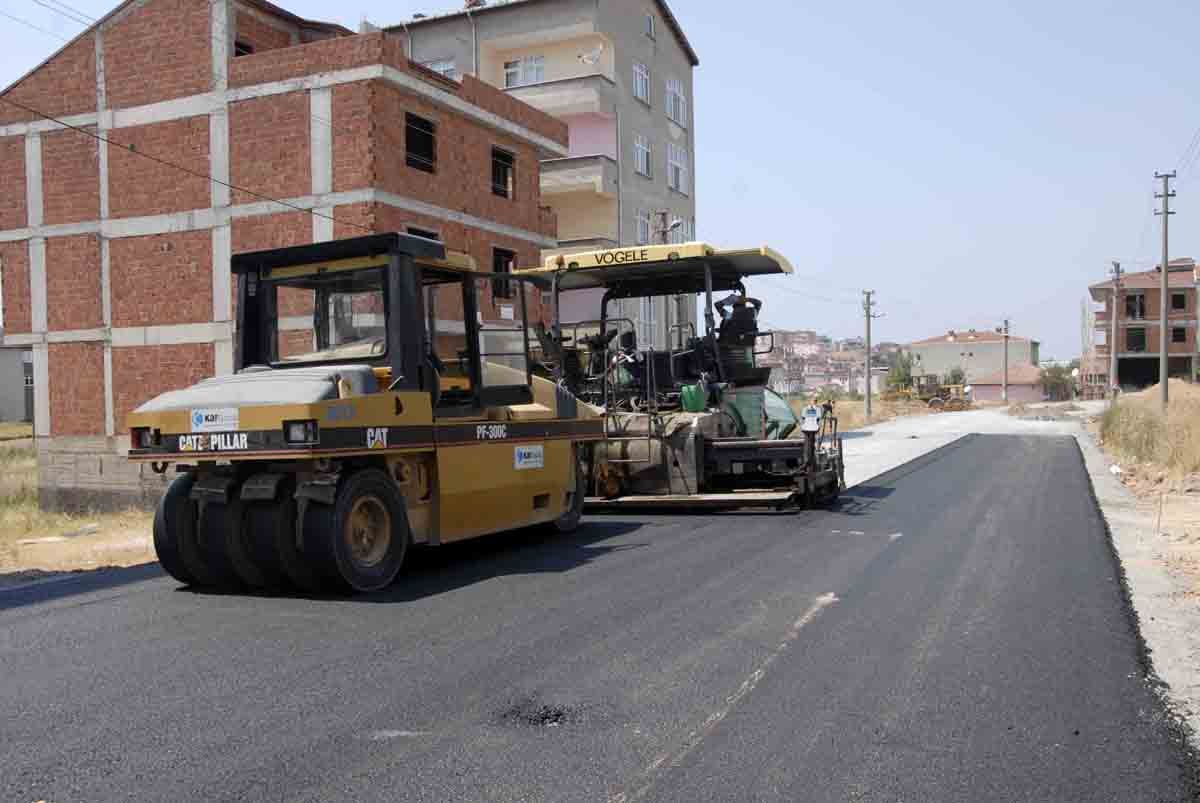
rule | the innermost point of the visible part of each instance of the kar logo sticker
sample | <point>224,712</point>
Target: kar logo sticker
<point>377,437</point>
<point>529,457</point>
<point>215,419</point>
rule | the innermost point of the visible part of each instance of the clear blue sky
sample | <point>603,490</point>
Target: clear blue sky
<point>968,163</point>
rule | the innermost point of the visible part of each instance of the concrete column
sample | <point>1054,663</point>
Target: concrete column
<point>321,149</point>
<point>223,22</point>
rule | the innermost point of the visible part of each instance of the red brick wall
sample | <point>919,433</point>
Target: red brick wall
<point>141,186</point>
<point>73,283</point>
<point>475,242</point>
<point>142,372</point>
<point>269,146</point>
<point>354,220</point>
<point>353,156</point>
<point>76,388</point>
<point>463,177</point>
<point>12,179</point>
<point>63,86</point>
<point>14,262</point>
<point>271,231</point>
<point>260,35</point>
<point>329,54</point>
<point>70,177</point>
<point>161,279</point>
<point>159,51</point>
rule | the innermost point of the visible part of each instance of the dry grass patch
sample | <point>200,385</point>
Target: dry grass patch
<point>1136,431</point>
<point>111,538</point>
<point>853,414</point>
<point>15,430</point>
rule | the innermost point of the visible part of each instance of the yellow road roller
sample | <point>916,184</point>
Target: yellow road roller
<point>383,396</point>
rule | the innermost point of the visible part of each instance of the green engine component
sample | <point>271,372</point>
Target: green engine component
<point>694,398</point>
<point>746,406</point>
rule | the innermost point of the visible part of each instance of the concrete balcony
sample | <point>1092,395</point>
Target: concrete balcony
<point>587,94</point>
<point>589,174</point>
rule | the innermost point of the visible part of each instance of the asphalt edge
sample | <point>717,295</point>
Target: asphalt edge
<point>913,463</point>
<point>1173,708</point>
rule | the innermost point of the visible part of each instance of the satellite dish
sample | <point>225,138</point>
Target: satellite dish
<point>592,56</point>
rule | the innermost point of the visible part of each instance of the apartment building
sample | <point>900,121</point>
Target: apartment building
<point>1139,324</point>
<point>978,352</point>
<point>211,127</point>
<point>619,74</point>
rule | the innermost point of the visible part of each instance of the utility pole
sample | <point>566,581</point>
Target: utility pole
<point>1163,335</point>
<point>1113,338</point>
<point>1004,386</point>
<point>868,305</point>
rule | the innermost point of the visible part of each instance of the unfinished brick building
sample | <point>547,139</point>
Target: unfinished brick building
<point>116,265</point>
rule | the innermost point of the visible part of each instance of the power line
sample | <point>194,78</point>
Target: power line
<point>180,168</point>
<point>29,24</point>
<point>71,15</point>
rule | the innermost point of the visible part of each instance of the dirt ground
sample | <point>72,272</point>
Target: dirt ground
<point>1168,493</point>
<point>853,414</point>
<point>33,542</point>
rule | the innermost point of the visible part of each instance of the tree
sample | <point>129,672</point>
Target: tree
<point>1057,382</point>
<point>955,376</point>
<point>900,375</point>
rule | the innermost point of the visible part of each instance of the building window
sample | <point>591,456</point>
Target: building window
<point>420,143</point>
<point>1178,334</point>
<point>525,70</point>
<point>241,48</point>
<point>443,67</point>
<point>502,262</point>
<point>1178,302</point>
<point>676,102</point>
<point>503,173</point>
<point>428,235</point>
<point>643,227</point>
<point>650,25</point>
<point>1135,306</point>
<point>647,322</point>
<point>1135,339</point>
<point>641,156</point>
<point>641,82</point>
<point>677,168</point>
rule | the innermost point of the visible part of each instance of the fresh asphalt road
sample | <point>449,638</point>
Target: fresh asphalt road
<point>955,631</point>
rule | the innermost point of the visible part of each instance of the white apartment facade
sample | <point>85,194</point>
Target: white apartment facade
<point>620,74</point>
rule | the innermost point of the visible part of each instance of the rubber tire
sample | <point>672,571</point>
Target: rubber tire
<point>210,560</point>
<point>569,521</point>
<point>273,528</point>
<point>175,510</point>
<point>239,550</point>
<point>324,524</point>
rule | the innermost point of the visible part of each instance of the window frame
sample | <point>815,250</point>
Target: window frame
<point>643,216</point>
<point>1181,331</point>
<point>641,145</point>
<point>428,234</point>
<point>651,27</point>
<point>1141,330</point>
<point>1179,295</point>
<point>1135,300</point>
<point>409,155</point>
<point>521,71</point>
<point>677,181</point>
<point>642,79</point>
<point>503,290</point>
<point>509,189</point>
<point>451,74</point>
<point>676,102</point>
